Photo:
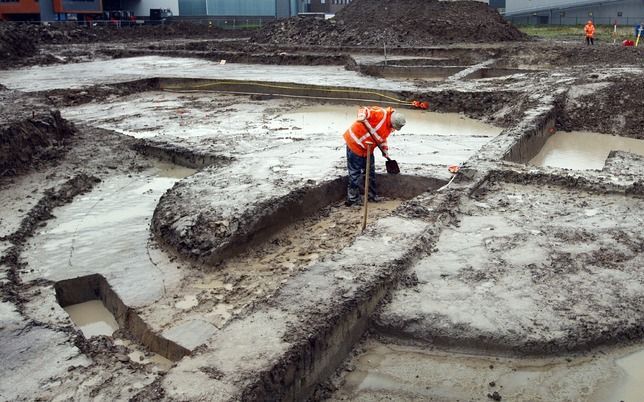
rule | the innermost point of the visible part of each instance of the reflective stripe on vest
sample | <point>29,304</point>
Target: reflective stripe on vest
<point>355,138</point>
<point>373,130</point>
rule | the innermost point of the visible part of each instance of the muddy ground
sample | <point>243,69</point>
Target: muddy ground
<point>245,258</point>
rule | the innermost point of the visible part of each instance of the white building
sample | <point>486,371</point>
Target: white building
<point>568,12</point>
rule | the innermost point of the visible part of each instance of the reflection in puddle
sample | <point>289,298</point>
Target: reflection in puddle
<point>583,150</point>
<point>336,119</point>
<point>92,318</point>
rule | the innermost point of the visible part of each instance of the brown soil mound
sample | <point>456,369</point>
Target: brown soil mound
<point>614,110</point>
<point>74,33</point>
<point>26,143</point>
<point>396,22</point>
<point>15,43</point>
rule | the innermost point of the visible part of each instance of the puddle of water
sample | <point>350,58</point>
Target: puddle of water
<point>172,171</point>
<point>188,302</point>
<point>630,386</point>
<point>141,357</point>
<point>390,372</point>
<point>92,318</point>
<point>156,359</point>
<point>336,118</point>
<point>583,150</point>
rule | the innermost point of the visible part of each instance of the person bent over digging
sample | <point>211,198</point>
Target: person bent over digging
<point>373,126</point>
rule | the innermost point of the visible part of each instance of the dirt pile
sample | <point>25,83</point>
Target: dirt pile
<point>26,143</point>
<point>616,109</point>
<point>75,33</point>
<point>396,22</point>
<point>14,44</point>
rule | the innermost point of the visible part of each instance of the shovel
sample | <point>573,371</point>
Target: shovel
<point>391,165</point>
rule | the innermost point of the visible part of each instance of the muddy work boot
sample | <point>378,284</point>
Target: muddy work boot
<point>353,204</point>
<point>376,198</point>
<point>353,197</point>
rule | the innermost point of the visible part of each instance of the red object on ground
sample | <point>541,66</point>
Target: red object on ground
<point>421,105</point>
<point>453,168</point>
<point>628,42</point>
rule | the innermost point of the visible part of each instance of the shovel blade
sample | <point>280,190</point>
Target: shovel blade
<point>392,167</point>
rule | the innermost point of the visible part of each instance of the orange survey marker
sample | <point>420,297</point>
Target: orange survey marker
<point>453,168</point>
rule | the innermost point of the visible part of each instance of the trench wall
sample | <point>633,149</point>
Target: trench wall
<point>95,287</point>
<point>528,145</point>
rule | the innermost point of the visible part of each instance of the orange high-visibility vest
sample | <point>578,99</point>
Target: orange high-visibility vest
<point>374,119</point>
<point>590,30</point>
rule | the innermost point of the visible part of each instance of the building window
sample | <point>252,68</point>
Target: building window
<point>619,13</point>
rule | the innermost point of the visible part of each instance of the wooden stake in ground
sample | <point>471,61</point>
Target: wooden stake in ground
<point>366,185</point>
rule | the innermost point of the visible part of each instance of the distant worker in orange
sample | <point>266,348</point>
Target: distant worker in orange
<point>373,126</point>
<point>589,29</point>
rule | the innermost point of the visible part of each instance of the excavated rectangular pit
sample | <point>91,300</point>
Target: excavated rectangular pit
<point>71,293</point>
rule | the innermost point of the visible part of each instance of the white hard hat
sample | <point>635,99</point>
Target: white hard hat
<point>398,120</point>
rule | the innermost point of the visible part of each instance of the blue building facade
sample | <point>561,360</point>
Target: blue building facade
<point>238,8</point>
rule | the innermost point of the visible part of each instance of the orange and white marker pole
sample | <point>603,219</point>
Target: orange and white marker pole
<point>366,186</point>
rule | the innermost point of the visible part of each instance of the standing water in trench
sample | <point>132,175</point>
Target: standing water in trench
<point>336,118</point>
<point>403,373</point>
<point>92,318</point>
<point>583,150</point>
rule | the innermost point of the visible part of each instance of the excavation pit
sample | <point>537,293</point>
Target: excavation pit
<point>583,150</point>
<point>96,309</point>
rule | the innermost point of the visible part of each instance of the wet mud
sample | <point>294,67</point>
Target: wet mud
<point>251,267</point>
<point>27,144</point>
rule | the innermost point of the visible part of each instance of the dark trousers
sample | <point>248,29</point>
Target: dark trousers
<point>590,41</point>
<point>357,166</point>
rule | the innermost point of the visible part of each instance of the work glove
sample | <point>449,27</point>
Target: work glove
<point>385,154</point>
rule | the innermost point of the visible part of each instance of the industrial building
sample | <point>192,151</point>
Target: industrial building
<point>56,10</point>
<point>48,10</point>
<point>572,12</point>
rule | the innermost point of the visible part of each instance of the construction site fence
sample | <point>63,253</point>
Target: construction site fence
<point>219,22</point>
<point>560,20</point>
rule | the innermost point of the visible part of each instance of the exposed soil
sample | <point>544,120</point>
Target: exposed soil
<point>74,33</point>
<point>613,107</point>
<point>564,257</point>
<point>21,40</point>
<point>25,144</point>
<point>15,44</point>
<point>252,278</point>
<point>546,54</point>
<point>396,23</point>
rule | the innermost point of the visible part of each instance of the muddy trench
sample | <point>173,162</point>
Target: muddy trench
<point>213,229</point>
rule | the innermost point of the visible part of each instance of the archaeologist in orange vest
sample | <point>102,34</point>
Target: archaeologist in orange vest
<point>373,126</point>
<point>589,29</point>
